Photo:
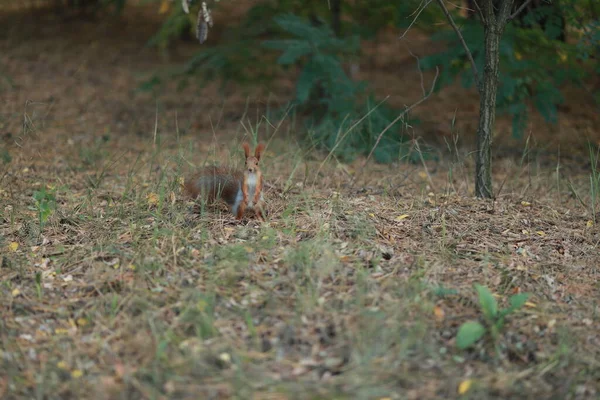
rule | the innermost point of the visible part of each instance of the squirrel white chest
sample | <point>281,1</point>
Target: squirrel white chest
<point>251,182</point>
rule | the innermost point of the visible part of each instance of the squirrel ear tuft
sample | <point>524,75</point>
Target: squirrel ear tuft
<point>246,147</point>
<point>259,150</point>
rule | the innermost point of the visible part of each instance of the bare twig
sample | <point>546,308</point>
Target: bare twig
<point>415,19</point>
<point>513,15</point>
<point>462,41</point>
<point>479,11</point>
<point>338,142</point>
<point>418,67</point>
<point>402,114</point>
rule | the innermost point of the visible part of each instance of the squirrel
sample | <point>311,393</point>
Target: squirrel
<point>241,191</point>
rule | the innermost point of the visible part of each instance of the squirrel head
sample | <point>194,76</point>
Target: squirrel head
<point>251,165</point>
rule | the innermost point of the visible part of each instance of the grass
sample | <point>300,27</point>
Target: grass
<point>355,287</point>
<point>341,294</point>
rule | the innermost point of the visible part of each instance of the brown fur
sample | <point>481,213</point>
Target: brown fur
<point>212,183</point>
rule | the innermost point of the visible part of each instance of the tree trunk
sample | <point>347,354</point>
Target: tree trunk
<point>487,111</point>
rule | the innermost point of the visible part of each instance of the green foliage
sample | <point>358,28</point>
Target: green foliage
<point>331,100</point>
<point>470,332</point>
<point>45,204</point>
<point>175,26</point>
<point>5,156</point>
<point>534,63</point>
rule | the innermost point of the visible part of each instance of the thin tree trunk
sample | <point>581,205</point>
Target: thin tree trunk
<point>487,111</point>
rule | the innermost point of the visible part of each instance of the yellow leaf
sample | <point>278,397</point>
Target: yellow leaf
<point>249,249</point>
<point>76,373</point>
<point>61,331</point>
<point>518,55</point>
<point>62,365</point>
<point>82,322</point>
<point>202,305</point>
<point>525,203</point>
<point>465,386</point>
<point>131,267</point>
<point>541,233</point>
<point>152,199</point>
<point>181,180</point>
<point>13,246</point>
<point>401,217</point>
<point>116,266</point>
<point>590,223</point>
<point>530,304</point>
<point>164,7</point>
<point>439,313</point>
<point>371,215</point>
<point>423,174</point>
<point>562,55</point>
<point>16,292</point>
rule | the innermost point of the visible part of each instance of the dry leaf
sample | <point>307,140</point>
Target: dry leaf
<point>152,199</point>
<point>164,7</point>
<point>525,203</point>
<point>439,313</point>
<point>401,217</point>
<point>76,373</point>
<point>13,246</point>
<point>465,386</point>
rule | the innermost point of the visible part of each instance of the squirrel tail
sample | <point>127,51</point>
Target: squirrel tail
<point>213,183</point>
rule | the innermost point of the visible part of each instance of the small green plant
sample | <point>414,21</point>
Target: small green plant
<point>45,204</point>
<point>470,332</point>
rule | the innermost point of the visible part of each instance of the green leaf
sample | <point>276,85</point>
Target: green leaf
<point>517,301</point>
<point>487,302</point>
<point>469,333</point>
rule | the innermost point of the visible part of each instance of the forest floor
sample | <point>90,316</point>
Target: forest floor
<point>355,287</point>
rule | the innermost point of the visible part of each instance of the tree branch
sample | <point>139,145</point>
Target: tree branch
<point>402,114</point>
<point>513,15</point>
<point>415,19</point>
<point>479,11</point>
<point>462,41</point>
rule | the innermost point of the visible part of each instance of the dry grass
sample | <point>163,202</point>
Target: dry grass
<point>354,288</point>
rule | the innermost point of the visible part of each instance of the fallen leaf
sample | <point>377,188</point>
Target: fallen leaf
<point>465,386</point>
<point>525,203</point>
<point>439,313</point>
<point>590,223</point>
<point>401,217</point>
<point>164,7</point>
<point>15,292</point>
<point>13,246</point>
<point>152,199</point>
<point>76,373</point>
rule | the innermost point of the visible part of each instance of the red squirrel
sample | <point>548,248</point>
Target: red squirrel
<point>242,191</point>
